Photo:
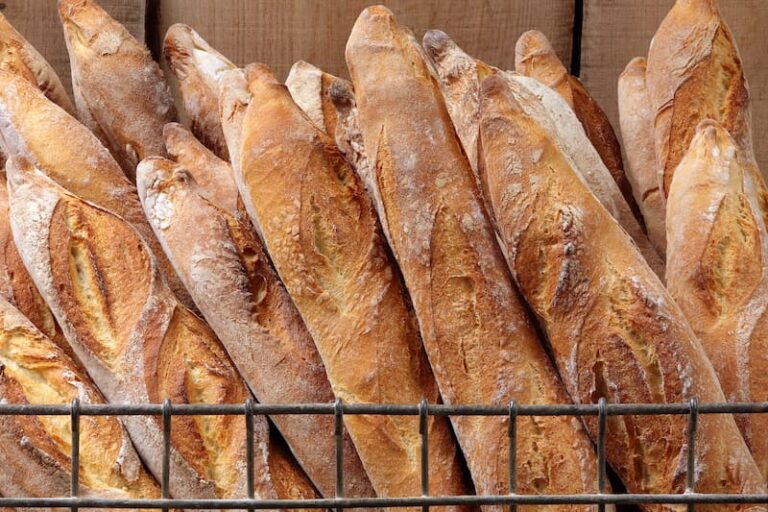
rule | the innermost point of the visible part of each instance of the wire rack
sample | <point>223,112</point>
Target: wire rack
<point>423,410</point>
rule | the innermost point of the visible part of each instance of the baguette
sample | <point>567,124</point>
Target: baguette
<point>480,341</point>
<point>212,174</point>
<point>20,57</point>
<point>321,232</point>
<point>138,343</point>
<point>716,260</point>
<point>535,58</point>
<point>120,92</point>
<point>636,120</point>
<point>225,268</point>
<point>198,67</point>
<point>459,76</point>
<point>310,90</point>
<point>32,127</point>
<point>695,73</point>
<point>35,450</point>
<point>614,330</point>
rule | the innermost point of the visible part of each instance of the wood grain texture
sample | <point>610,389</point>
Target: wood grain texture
<point>38,21</point>
<point>615,31</point>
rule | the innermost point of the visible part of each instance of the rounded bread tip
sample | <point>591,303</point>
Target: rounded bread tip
<point>635,67</point>
<point>436,43</point>
<point>341,94</point>
<point>531,43</point>
<point>259,73</point>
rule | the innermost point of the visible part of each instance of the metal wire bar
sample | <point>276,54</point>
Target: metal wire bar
<point>166,472</point>
<point>249,449</point>
<point>512,434</point>
<point>74,487</point>
<point>339,433</point>
<point>424,432</point>
<point>693,420</point>
<point>602,420</point>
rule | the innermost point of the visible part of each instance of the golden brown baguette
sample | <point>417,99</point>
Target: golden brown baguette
<point>212,174</point>
<point>717,257</point>
<point>33,127</point>
<point>120,92</point>
<point>480,341</point>
<point>310,89</point>
<point>636,120</point>
<point>20,57</point>
<point>323,237</point>
<point>138,343</point>
<point>227,271</point>
<point>694,73</point>
<point>198,67</point>
<point>35,450</point>
<point>614,330</point>
<point>535,58</point>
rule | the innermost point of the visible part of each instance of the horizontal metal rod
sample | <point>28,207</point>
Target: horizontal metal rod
<point>432,501</point>
<point>382,409</point>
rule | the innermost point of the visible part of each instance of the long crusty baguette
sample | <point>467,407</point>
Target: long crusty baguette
<point>636,119</point>
<point>138,343</point>
<point>717,254</point>
<point>198,68</point>
<point>20,57</point>
<point>614,330</point>
<point>480,341</point>
<point>535,58</point>
<point>35,450</point>
<point>33,127</point>
<point>459,76</point>
<point>212,174</point>
<point>227,271</point>
<point>694,73</point>
<point>310,89</point>
<point>324,239</point>
<point>120,92</point>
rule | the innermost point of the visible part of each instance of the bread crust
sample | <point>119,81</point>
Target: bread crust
<point>198,67</point>
<point>120,92</point>
<point>138,343</point>
<point>636,120</point>
<point>718,253</point>
<point>614,330</point>
<point>35,450</point>
<point>34,128</point>
<point>695,73</point>
<point>310,89</point>
<point>230,277</point>
<point>480,341</point>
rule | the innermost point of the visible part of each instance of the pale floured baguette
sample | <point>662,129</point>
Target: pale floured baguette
<point>198,68</point>
<point>614,330</point>
<point>535,58</point>
<point>35,450</point>
<point>324,239</point>
<point>120,92</point>
<point>33,127</point>
<point>695,73</point>
<point>212,174</point>
<point>20,57</point>
<point>479,338</point>
<point>230,277</point>
<point>636,119</point>
<point>137,342</point>
<point>310,89</point>
<point>717,254</point>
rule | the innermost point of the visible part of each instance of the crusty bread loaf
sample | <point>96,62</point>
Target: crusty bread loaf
<point>614,330</point>
<point>636,119</point>
<point>480,341</point>
<point>33,127</point>
<point>535,58</point>
<point>324,239</point>
<point>198,68</point>
<point>138,343</point>
<point>694,73</point>
<point>310,89</point>
<point>227,271</point>
<point>120,92</point>
<point>35,450</point>
<point>20,57</point>
<point>233,102</point>
<point>716,225</point>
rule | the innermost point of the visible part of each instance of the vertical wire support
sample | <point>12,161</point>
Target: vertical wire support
<point>338,414</point>
<point>693,420</point>
<point>249,448</point>
<point>74,416</point>
<point>424,433</point>
<point>512,434</point>
<point>166,470</point>
<point>602,420</point>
